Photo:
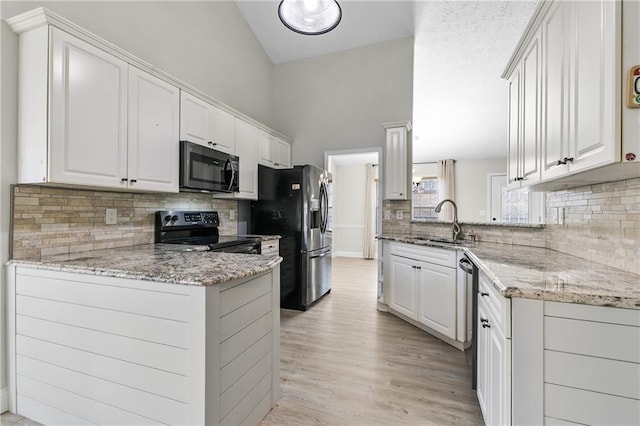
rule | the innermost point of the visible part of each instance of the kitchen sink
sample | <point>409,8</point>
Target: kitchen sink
<point>438,240</point>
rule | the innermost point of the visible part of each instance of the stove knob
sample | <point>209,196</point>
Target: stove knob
<point>174,218</point>
<point>167,218</point>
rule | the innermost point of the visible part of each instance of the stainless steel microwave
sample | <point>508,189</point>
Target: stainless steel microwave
<point>206,169</point>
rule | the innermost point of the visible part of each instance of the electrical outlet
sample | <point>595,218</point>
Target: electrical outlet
<point>387,214</point>
<point>232,214</point>
<point>112,217</point>
<point>399,214</point>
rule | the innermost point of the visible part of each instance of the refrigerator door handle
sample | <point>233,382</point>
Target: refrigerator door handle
<point>320,255</point>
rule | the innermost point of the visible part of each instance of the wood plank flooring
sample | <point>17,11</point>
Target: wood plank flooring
<point>343,362</point>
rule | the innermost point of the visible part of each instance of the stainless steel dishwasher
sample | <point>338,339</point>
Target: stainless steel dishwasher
<point>471,274</point>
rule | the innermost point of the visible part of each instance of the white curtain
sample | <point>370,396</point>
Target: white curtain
<point>370,245</point>
<point>446,188</point>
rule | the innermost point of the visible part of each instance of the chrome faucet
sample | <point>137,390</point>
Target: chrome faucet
<point>456,225</point>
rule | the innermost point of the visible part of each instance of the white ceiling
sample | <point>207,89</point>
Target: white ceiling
<point>363,23</point>
<point>460,50</point>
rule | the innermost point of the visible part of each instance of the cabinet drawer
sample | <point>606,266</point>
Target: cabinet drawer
<point>498,306</point>
<point>438,256</point>
<point>270,247</point>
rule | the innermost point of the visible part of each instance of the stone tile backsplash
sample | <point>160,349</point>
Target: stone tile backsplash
<point>58,220</point>
<point>601,223</point>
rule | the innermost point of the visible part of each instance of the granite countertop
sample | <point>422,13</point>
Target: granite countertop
<point>264,237</point>
<point>540,273</point>
<point>169,263</point>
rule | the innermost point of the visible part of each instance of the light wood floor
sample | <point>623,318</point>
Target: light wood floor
<point>343,362</point>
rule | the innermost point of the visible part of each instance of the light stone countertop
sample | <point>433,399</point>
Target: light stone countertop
<point>540,273</point>
<point>168,263</point>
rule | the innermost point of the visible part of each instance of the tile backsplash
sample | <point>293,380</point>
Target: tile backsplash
<point>58,220</point>
<point>601,223</point>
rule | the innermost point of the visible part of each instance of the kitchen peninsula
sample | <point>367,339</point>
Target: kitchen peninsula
<point>553,330</point>
<point>144,334</point>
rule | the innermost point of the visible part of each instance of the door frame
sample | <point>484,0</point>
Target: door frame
<point>373,149</point>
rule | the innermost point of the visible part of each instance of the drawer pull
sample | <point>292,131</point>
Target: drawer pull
<point>483,294</point>
<point>485,325</point>
<point>484,320</point>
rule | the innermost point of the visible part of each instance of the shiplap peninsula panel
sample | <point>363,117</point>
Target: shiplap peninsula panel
<point>108,350</point>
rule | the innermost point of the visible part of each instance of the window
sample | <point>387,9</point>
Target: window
<point>519,206</point>
<point>425,198</point>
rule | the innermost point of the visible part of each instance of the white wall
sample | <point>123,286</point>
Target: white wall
<point>8,138</point>
<point>349,183</point>
<point>206,44</point>
<point>339,101</point>
<point>471,187</point>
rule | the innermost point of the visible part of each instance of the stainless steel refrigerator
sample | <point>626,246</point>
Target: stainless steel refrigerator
<point>294,204</point>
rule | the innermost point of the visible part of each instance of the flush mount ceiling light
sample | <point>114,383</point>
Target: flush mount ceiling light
<point>310,17</point>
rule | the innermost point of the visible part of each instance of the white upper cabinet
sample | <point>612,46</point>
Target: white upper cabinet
<point>595,79</point>
<point>204,124</point>
<point>109,125</point>
<point>247,150</point>
<point>568,64</point>
<point>154,111</point>
<point>397,154</point>
<point>282,156</point>
<point>92,115</point>
<point>88,114</point>
<point>273,152</point>
<point>523,164</point>
<point>555,91</point>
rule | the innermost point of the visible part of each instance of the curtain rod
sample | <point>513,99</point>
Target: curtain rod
<point>430,162</point>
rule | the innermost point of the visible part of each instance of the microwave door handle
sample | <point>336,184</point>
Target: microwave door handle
<point>233,175</point>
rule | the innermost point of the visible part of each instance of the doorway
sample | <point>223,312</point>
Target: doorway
<point>354,202</point>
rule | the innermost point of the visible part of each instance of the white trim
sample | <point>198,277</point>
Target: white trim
<point>354,254</point>
<point>348,226</point>
<point>42,16</point>
<point>4,400</point>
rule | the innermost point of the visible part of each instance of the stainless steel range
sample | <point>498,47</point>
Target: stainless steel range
<point>200,228</point>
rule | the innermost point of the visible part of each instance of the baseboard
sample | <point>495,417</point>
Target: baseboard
<point>4,400</point>
<point>347,254</point>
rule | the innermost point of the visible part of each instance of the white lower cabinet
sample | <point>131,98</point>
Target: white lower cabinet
<point>87,349</point>
<point>437,296</point>
<point>575,364</point>
<point>494,355</point>
<point>404,287</point>
<point>422,287</point>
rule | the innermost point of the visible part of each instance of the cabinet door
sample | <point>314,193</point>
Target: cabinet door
<point>396,185</point>
<point>437,293</point>
<point>403,288</point>
<point>247,150</point>
<point>282,154</point>
<point>195,120</point>
<point>530,152</point>
<point>595,82</point>
<point>223,131</point>
<point>483,341</point>
<point>88,114</point>
<point>499,380</point>
<point>266,147</point>
<point>154,111</point>
<point>513,146</point>
<point>555,90</point>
